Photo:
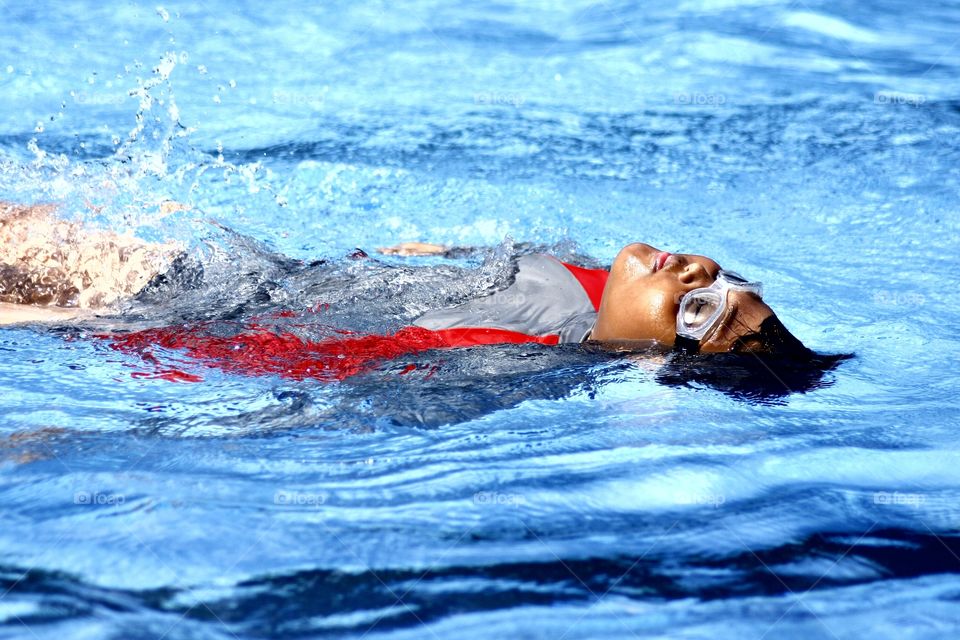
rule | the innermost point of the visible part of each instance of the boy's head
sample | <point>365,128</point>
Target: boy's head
<point>643,296</point>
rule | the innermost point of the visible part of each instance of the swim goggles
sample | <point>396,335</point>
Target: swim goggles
<point>701,309</point>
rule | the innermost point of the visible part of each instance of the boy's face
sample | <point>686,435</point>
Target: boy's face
<point>643,293</point>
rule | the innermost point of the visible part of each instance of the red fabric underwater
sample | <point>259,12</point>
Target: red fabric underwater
<point>262,351</point>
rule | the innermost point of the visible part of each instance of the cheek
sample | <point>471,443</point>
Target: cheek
<point>634,268</point>
<point>657,311</point>
<point>666,308</point>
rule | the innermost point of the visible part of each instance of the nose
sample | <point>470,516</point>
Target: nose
<point>694,274</point>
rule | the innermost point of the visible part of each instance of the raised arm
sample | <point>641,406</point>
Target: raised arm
<point>50,268</point>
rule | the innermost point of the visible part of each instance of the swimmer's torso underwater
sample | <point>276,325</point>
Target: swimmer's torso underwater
<point>438,329</point>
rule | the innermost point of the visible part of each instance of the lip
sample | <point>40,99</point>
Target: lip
<point>661,260</point>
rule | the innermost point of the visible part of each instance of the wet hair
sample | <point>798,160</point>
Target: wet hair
<point>760,378</point>
<point>772,338</point>
<point>763,366</point>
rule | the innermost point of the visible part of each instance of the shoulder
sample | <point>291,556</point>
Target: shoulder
<point>543,264</point>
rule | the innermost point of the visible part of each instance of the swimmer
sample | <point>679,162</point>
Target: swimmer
<point>51,270</point>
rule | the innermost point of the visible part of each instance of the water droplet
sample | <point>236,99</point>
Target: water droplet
<point>166,65</point>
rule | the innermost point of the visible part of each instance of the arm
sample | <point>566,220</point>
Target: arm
<point>50,266</point>
<point>413,249</point>
<point>20,313</point>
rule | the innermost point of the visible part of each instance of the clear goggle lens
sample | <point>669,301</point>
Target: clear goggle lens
<point>697,310</point>
<point>701,308</point>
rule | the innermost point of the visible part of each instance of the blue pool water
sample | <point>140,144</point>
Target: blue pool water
<point>518,493</point>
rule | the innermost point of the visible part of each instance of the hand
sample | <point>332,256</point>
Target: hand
<point>413,249</point>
